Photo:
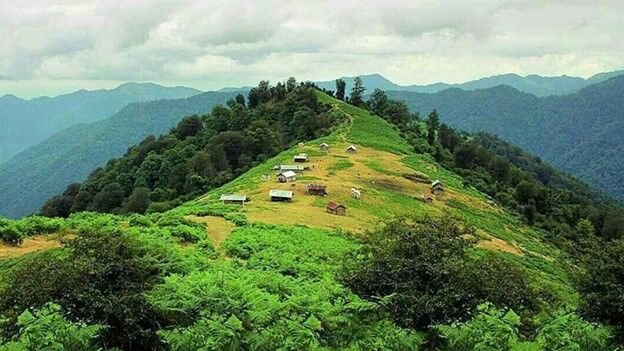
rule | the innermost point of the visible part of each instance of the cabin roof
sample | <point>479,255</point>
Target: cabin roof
<point>280,193</point>
<point>233,197</point>
<point>302,155</point>
<point>288,174</point>
<point>334,205</point>
<point>351,147</point>
<point>436,183</point>
<point>323,144</point>
<point>291,167</point>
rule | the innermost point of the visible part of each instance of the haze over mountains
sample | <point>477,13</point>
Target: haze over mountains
<point>532,84</point>
<point>47,168</point>
<point>35,174</point>
<point>580,133</point>
<point>24,123</point>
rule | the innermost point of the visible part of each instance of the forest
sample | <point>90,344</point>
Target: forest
<point>135,273</point>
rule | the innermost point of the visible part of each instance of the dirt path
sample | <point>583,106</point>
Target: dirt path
<point>217,228</point>
<point>31,244</point>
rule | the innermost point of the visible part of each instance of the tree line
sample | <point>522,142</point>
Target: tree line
<point>200,153</point>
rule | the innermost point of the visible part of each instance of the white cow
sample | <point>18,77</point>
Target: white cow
<point>356,193</point>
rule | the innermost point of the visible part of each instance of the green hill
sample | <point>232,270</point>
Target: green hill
<point>28,122</point>
<point>577,133</point>
<point>289,275</point>
<point>69,156</point>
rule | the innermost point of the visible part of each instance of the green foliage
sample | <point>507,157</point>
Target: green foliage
<point>48,329</point>
<point>419,268</point>
<point>496,329</point>
<point>491,329</point>
<point>199,154</point>
<point>9,233</point>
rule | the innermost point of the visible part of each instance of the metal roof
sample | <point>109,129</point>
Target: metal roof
<point>291,167</point>
<point>288,174</point>
<point>333,205</point>
<point>437,183</point>
<point>352,147</point>
<point>280,193</point>
<point>233,197</point>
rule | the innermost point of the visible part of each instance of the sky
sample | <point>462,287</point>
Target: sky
<point>49,47</point>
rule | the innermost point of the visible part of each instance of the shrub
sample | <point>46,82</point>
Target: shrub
<point>9,233</point>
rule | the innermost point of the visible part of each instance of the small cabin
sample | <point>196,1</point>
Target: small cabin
<point>316,189</point>
<point>281,195</point>
<point>437,187</point>
<point>287,177</point>
<point>351,149</point>
<point>234,199</point>
<point>336,208</point>
<point>301,158</point>
<point>426,198</point>
<point>323,146</point>
<point>356,193</point>
<point>294,168</point>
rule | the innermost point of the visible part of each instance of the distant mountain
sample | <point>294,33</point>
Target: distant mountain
<point>532,84</point>
<point>24,123</point>
<point>32,176</point>
<point>580,133</point>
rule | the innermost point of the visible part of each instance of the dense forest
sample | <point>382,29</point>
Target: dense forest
<point>577,133</point>
<point>41,171</point>
<point>200,153</point>
<point>153,281</point>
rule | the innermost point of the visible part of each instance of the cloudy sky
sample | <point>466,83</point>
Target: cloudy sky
<point>49,47</point>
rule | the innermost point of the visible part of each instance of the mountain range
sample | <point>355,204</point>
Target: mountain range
<point>24,123</point>
<point>579,133</point>
<point>45,169</point>
<point>532,84</point>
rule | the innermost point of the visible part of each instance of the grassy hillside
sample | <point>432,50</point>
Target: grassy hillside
<point>269,275</point>
<point>377,169</point>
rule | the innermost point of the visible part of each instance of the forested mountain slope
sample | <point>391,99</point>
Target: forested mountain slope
<point>532,84</point>
<point>24,123</point>
<point>271,275</point>
<point>579,133</point>
<point>32,176</point>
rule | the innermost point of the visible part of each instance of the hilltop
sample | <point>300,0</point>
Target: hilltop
<point>272,274</point>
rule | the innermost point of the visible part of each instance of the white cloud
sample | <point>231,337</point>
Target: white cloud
<point>210,44</point>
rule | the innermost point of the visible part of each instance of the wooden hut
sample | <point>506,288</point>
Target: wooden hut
<point>233,199</point>
<point>280,195</point>
<point>351,149</point>
<point>323,146</point>
<point>337,209</point>
<point>437,187</point>
<point>287,177</point>
<point>316,189</point>
<point>301,158</point>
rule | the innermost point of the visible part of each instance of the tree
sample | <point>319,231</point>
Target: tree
<point>356,97</point>
<point>340,89</point>
<point>253,98</point>
<point>291,84</point>
<point>240,99</point>
<point>600,281</point>
<point>138,201</point>
<point>189,126</point>
<point>110,197</point>
<point>416,266</point>
<point>433,122</point>
<point>378,102</point>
